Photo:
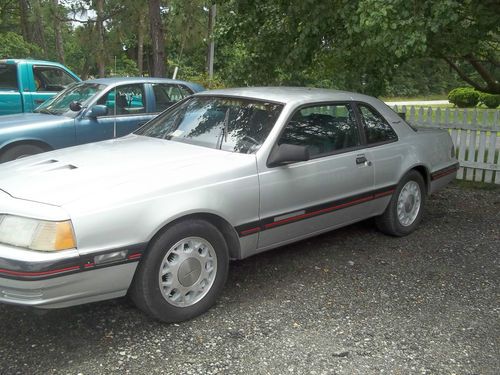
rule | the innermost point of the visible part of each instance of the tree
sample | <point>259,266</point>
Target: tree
<point>356,44</point>
<point>157,38</point>
<point>56,16</point>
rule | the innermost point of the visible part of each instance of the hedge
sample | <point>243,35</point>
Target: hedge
<point>464,97</point>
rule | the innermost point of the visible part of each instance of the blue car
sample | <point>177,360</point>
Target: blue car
<point>87,112</point>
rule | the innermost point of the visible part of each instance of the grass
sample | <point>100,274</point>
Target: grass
<point>413,98</point>
<point>473,185</point>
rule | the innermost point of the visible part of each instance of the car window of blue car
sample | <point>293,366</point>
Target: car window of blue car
<point>236,125</point>
<point>82,93</point>
<point>324,129</point>
<point>167,94</point>
<point>125,100</point>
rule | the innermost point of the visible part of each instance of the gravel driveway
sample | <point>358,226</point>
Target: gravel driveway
<point>353,301</point>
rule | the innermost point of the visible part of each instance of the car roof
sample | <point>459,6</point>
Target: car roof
<point>115,80</point>
<point>290,95</point>
<point>125,80</point>
<point>33,61</point>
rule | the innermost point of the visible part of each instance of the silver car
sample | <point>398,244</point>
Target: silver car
<point>222,175</point>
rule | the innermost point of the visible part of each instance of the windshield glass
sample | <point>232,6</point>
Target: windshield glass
<point>230,124</point>
<point>82,93</point>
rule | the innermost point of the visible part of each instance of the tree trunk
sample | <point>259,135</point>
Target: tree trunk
<point>140,44</point>
<point>491,85</point>
<point>25,24</point>
<point>100,57</point>
<point>157,38</point>
<point>39,30</point>
<point>57,31</point>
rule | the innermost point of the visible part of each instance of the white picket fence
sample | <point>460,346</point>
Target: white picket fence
<point>475,134</point>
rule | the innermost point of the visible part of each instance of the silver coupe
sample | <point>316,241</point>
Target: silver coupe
<point>221,175</point>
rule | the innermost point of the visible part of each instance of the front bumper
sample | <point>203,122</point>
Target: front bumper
<point>61,279</point>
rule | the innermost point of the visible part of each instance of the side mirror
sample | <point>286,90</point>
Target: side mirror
<point>97,110</point>
<point>75,106</point>
<point>286,154</point>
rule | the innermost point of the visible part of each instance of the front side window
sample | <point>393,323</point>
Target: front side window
<point>167,94</point>
<point>125,100</point>
<point>82,93</point>
<point>230,124</point>
<point>324,129</point>
<point>51,78</point>
<point>377,129</point>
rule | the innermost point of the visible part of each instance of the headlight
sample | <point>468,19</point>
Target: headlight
<point>36,234</point>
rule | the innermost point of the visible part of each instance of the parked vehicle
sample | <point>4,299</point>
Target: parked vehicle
<point>25,84</point>
<point>221,175</point>
<point>89,111</point>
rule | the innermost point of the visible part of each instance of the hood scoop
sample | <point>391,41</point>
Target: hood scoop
<point>50,165</point>
<point>63,167</point>
<point>50,161</point>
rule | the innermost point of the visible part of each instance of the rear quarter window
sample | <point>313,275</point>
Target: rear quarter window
<point>8,77</point>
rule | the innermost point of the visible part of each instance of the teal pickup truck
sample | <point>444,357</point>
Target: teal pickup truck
<point>25,84</point>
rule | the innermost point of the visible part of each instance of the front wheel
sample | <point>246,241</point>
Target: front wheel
<point>404,212</point>
<point>20,151</point>
<point>183,272</point>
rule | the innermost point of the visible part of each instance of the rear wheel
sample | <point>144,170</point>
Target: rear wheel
<point>20,151</point>
<point>183,272</point>
<point>404,212</point>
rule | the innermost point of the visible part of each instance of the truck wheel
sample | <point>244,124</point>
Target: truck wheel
<point>20,151</point>
<point>183,272</point>
<point>404,212</point>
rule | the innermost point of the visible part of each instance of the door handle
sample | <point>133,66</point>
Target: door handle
<point>39,101</point>
<point>361,159</point>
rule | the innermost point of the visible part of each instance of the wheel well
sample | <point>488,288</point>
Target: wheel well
<point>227,230</point>
<point>44,146</point>
<point>425,175</point>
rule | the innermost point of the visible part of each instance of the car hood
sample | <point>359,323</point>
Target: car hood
<point>63,176</point>
<point>30,119</point>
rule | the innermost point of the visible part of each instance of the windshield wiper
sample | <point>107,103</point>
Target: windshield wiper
<point>224,131</point>
<point>44,110</point>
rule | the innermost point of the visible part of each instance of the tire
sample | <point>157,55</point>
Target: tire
<point>404,212</point>
<point>20,151</point>
<point>183,272</point>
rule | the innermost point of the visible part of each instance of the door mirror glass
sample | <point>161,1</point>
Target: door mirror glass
<point>286,153</point>
<point>75,106</point>
<point>97,111</point>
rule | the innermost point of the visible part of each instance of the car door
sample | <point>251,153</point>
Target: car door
<point>386,152</point>
<point>127,110</point>
<point>331,189</point>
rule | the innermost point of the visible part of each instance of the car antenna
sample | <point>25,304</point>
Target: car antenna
<point>114,117</point>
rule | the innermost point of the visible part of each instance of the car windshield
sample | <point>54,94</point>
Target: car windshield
<point>82,93</point>
<point>230,124</point>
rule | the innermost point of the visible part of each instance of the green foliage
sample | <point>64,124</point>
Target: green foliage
<point>12,45</point>
<point>125,67</point>
<point>489,100</point>
<point>358,45</point>
<point>464,97</point>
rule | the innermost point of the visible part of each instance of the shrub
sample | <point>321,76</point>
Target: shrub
<point>464,97</point>
<point>489,100</point>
